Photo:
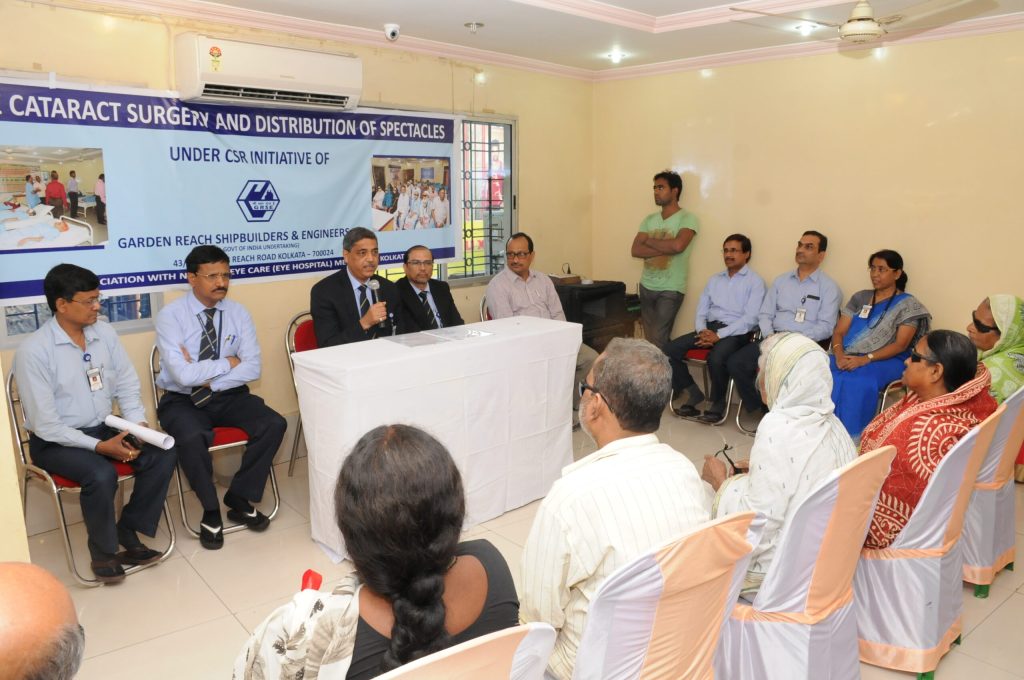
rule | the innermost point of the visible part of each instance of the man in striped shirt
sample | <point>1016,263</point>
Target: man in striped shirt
<point>631,494</point>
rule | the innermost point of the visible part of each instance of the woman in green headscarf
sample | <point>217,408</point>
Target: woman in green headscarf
<point>997,330</point>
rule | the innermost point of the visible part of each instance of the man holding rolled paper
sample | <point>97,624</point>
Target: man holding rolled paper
<point>69,373</point>
<point>208,355</point>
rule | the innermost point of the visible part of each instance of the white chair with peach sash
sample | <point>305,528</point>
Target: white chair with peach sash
<point>803,622</point>
<point>660,615</point>
<point>909,596</point>
<point>519,653</point>
<point>990,531</point>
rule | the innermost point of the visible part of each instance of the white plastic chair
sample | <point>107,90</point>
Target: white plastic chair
<point>519,653</point>
<point>802,624</point>
<point>659,616</point>
<point>910,595</point>
<point>990,527</point>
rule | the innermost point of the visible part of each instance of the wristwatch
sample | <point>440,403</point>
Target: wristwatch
<point>871,357</point>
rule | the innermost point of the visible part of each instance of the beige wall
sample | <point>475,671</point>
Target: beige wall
<point>13,545</point>
<point>917,151</point>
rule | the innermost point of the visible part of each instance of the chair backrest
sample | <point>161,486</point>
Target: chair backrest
<point>154,373</point>
<point>997,468</point>
<point>939,516</point>
<point>14,407</point>
<point>300,336</point>
<point>519,653</point>
<point>680,591</point>
<point>813,568</point>
<point>485,314</point>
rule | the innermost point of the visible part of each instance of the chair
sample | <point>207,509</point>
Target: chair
<point>519,653</point>
<point>909,595</point>
<point>660,615</point>
<point>298,338</point>
<point>223,438</point>
<point>895,387</point>
<point>699,357</point>
<point>990,531</point>
<point>485,314</point>
<point>60,486</point>
<point>802,623</point>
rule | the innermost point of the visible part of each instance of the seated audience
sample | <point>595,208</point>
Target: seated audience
<point>947,395</point>
<point>426,302</point>
<point>518,291</point>
<point>631,494</point>
<point>804,301</point>
<point>70,373</point>
<point>997,330</point>
<point>726,316</point>
<point>874,335</point>
<point>40,637</point>
<point>797,445</point>
<point>416,588</point>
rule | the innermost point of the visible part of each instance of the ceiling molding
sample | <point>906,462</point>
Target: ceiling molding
<point>308,28</point>
<point>973,27</point>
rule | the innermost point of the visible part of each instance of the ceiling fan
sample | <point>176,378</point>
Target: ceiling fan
<point>862,26</point>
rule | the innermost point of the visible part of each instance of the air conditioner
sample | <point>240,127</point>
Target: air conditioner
<point>231,72</point>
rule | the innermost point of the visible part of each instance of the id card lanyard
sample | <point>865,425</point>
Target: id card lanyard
<point>92,373</point>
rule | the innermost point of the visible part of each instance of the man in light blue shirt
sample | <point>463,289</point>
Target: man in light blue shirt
<point>802,301</point>
<point>31,197</point>
<point>69,374</point>
<point>208,354</point>
<point>726,316</point>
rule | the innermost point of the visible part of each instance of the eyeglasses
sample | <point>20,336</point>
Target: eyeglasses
<point>583,387</point>
<point>517,256</point>
<point>91,302</point>
<point>880,270</point>
<point>216,277</point>
<point>915,357</point>
<point>980,327</point>
<point>420,263</point>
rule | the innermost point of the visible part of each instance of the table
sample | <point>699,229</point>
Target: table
<point>501,403</point>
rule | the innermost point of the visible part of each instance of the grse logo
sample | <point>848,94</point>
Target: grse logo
<point>258,200</point>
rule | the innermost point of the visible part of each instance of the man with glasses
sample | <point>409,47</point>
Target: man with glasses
<point>69,373</point>
<point>519,291</point>
<point>345,306</point>
<point>426,302</point>
<point>630,495</point>
<point>208,355</point>
<point>663,242</point>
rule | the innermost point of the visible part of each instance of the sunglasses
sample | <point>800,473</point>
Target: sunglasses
<point>982,328</point>
<point>915,357</point>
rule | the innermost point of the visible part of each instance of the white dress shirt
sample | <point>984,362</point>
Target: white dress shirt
<point>606,510</point>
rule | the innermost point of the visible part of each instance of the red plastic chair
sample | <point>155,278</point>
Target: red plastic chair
<point>299,337</point>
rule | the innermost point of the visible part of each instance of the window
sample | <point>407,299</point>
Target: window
<point>121,310</point>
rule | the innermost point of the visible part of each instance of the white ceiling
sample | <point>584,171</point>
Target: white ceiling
<point>578,34</point>
<point>44,157</point>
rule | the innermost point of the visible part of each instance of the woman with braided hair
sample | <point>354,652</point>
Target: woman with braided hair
<point>416,589</point>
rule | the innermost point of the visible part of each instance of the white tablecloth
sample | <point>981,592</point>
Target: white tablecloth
<point>500,403</point>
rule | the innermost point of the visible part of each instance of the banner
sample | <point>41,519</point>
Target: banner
<point>277,189</point>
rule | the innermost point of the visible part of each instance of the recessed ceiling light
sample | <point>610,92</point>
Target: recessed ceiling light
<point>706,73</point>
<point>480,77</point>
<point>805,28</point>
<point>616,55</point>
<point>473,26</point>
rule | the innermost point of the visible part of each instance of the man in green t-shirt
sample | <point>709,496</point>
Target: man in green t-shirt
<point>663,242</point>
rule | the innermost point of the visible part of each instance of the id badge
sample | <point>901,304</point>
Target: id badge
<point>801,314</point>
<point>865,311</point>
<point>95,379</point>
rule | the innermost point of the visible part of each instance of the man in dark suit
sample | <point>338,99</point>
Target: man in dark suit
<point>344,306</point>
<point>426,303</point>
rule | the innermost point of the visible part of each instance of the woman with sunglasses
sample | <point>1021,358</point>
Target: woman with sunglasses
<point>947,395</point>
<point>875,331</point>
<point>798,443</point>
<point>997,330</point>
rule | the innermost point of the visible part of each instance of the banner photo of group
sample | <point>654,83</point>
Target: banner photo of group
<point>276,188</point>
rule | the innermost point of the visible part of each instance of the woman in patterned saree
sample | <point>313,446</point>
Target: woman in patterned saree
<point>947,395</point>
<point>997,330</point>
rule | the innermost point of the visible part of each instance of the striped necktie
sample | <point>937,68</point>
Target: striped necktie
<point>364,302</point>
<point>431,319</point>
<point>208,347</point>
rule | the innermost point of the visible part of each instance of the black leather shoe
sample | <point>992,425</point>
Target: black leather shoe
<point>108,571</point>
<point>211,538</point>
<point>254,519</point>
<point>138,554</point>
<point>686,411</point>
<point>710,417</point>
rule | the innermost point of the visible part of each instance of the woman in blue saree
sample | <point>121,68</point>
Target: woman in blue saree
<point>874,335</point>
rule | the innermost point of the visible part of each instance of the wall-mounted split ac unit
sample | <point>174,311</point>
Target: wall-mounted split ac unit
<point>231,72</point>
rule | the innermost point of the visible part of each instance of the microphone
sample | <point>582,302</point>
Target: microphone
<point>374,286</point>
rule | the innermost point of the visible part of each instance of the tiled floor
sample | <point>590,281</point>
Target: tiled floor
<point>188,617</point>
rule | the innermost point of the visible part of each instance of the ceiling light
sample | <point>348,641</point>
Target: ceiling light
<point>706,73</point>
<point>616,55</point>
<point>473,26</point>
<point>805,28</point>
<point>480,77</point>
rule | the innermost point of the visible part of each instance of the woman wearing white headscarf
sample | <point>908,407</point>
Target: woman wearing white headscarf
<point>797,445</point>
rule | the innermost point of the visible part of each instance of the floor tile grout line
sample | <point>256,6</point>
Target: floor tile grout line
<point>156,637</point>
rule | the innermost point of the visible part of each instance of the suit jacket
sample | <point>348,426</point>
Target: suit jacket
<point>336,316</point>
<point>414,317</point>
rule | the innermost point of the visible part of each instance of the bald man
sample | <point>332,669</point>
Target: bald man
<point>39,632</point>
